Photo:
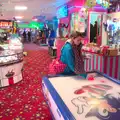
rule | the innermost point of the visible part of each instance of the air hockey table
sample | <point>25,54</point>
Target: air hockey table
<point>74,98</point>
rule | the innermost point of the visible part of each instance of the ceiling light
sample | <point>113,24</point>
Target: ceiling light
<point>20,8</point>
<point>18,21</point>
<point>35,19</point>
<point>18,17</point>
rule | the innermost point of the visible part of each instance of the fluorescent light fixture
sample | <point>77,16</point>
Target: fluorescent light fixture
<point>20,8</point>
<point>18,17</point>
<point>18,21</point>
<point>35,19</point>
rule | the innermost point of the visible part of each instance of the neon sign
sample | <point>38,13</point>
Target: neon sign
<point>5,24</point>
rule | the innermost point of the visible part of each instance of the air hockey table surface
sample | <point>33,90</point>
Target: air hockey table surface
<point>74,98</point>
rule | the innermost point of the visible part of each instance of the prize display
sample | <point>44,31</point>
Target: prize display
<point>11,61</point>
<point>7,57</point>
<point>103,50</point>
<point>112,27</point>
<point>11,52</point>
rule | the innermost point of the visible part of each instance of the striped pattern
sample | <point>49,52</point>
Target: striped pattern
<point>104,64</point>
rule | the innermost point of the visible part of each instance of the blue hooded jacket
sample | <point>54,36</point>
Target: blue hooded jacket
<point>68,58</point>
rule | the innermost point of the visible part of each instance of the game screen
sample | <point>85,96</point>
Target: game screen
<point>78,24</point>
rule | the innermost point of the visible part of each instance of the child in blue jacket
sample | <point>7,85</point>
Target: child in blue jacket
<point>71,56</point>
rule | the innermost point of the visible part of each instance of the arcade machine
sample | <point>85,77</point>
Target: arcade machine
<point>11,55</point>
<point>105,53</point>
<point>5,29</point>
<point>63,27</point>
<point>11,61</point>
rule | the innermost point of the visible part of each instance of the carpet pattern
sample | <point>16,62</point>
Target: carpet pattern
<point>25,100</point>
<point>31,46</point>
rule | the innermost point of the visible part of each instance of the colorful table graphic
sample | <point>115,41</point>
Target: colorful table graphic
<point>74,98</point>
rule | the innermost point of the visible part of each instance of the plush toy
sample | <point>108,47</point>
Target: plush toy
<point>83,13</point>
<point>25,53</point>
<point>90,3</point>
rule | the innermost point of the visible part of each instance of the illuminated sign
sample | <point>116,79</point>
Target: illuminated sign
<point>5,24</point>
<point>62,12</point>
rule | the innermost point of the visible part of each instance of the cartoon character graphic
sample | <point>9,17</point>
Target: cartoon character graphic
<point>108,109</point>
<point>102,105</point>
<point>10,75</point>
<point>94,90</point>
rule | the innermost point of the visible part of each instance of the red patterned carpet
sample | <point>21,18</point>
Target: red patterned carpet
<point>24,100</point>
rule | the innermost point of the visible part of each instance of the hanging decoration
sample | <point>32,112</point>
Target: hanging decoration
<point>107,3</point>
<point>103,3</point>
<point>114,6</point>
<point>90,3</point>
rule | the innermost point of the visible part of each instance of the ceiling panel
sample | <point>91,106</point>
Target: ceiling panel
<point>35,8</point>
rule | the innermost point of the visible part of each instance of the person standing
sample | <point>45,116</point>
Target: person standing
<point>24,36</point>
<point>92,33</point>
<point>95,31</point>
<point>72,51</point>
<point>29,36</point>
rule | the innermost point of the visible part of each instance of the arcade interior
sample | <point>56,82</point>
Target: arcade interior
<point>60,60</point>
